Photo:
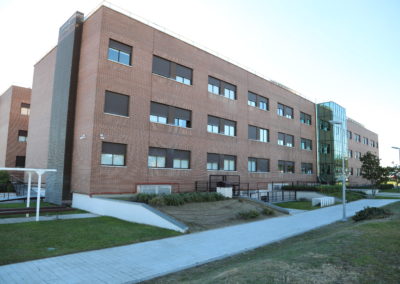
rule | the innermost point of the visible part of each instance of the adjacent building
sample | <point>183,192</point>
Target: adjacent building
<point>119,106</point>
<point>14,119</point>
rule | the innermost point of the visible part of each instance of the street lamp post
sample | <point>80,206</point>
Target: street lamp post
<point>397,148</point>
<point>333,122</point>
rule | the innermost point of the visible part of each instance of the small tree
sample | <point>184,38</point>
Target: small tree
<point>395,173</point>
<point>372,171</point>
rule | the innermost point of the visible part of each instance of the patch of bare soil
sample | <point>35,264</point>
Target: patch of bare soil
<point>210,215</point>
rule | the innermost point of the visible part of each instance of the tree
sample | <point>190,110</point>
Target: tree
<point>395,173</point>
<point>372,170</point>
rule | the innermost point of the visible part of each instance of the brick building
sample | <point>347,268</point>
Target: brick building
<point>118,104</point>
<point>14,119</point>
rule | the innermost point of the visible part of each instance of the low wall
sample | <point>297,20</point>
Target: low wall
<point>128,211</point>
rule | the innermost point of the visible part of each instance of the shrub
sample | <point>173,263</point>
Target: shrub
<point>174,200</point>
<point>267,211</point>
<point>157,201</point>
<point>250,214</point>
<point>386,186</point>
<point>300,187</point>
<point>143,197</point>
<point>371,213</point>
<point>4,177</point>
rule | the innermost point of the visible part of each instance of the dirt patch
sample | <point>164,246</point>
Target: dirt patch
<point>209,215</point>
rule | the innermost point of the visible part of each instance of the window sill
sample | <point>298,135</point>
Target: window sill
<point>258,141</point>
<point>222,134</point>
<point>111,166</point>
<point>285,116</point>
<point>222,171</point>
<point>120,63</point>
<point>175,169</point>
<point>291,147</point>
<point>117,115</point>
<point>222,96</point>
<point>258,108</point>
<point>170,125</point>
<point>191,85</point>
<point>258,172</point>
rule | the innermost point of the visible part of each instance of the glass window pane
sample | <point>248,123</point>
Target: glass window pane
<point>177,163</point>
<point>184,164</point>
<point>160,162</point>
<point>152,161</point>
<point>118,160</point>
<point>106,159</point>
<point>113,54</point>
<point>124,58</point>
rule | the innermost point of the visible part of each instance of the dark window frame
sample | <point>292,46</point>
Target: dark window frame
<point>222,87</point>
<point>175,71</point>
<point>257,135</point>
<point>307,168</point>
<point>219,159</point>
<point>286,166</point>
<point>257,100</point>
<point>305,118</point>
<point>221,123</point>
<point>120,48</point>
<point>305,141</point>
<point>119,149</point>
<point>282,110</point>
<point>170,156</point>
<point>172,114</point>
<point>285,138</point>
<point>259,165</point>
<point>108,109</point>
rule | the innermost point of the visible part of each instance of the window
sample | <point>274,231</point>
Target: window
<point>285,139</point>
<point>358,172</point>
<point>119,52</point>
<point>172,70</point>
<point>286,166</point>
<point>306,168</point>
<point>258,165</point>
<point>22,136</point>
<point>20,162</point>
<point>117,104</point>
<point>325,148</point>
<point>357,155</point>
<point>365,140</point>
<point>221,126</point>
<point>168,158</point>
<point>351,171</point>
<point>25,109</point>
<point>350,153</point>
<point>221,162</point>
<point>113,154</point>
<point>349,135</point>
<point>258,134</point>
<point>305,118</point>
<point>221,88</point>
<point>166,114</point>
<point>325,125</point>
<point>372,143</point>
<point>285,111</point>
<point>257,101</point>
<point>306,144</point>
<point>357,138</point>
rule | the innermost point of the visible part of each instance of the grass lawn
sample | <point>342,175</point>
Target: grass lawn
<point>345,252</point>
<point>32,240</point>
<point>350,195</point>
<point>33,205</point>
<point>302,205</point>
<point>393,190</point>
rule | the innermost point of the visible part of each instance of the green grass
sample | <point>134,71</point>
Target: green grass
<point>301,205</point>
<point>32,240</point>
<point>350,195</point>
<point>33,205</point>
<point>393,190</point>
<point>345,252</point>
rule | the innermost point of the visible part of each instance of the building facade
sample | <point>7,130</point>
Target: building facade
<point>148,108</point>
<point>14,119</point>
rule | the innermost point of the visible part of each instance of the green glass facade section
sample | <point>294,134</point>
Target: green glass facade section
<point>332,141</point>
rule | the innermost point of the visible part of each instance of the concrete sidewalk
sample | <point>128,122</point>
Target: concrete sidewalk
<point>138,262</point>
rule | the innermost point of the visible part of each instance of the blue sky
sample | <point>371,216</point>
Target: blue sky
<point>345,51</point>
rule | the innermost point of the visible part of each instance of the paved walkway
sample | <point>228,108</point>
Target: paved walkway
<point>388,194</point>
<point>46,218</point>
<point>138,262</point>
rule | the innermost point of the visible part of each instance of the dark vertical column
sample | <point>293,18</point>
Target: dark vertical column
<point>63,109</point>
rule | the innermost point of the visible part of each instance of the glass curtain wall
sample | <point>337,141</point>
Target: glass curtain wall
<point>332,141</point>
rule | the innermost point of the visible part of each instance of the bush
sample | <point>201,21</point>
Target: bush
<point>250,214</point>
<point>4,177</point>
<point>386,186</point>
<point>267,211</point>
<point>157,201</point>
<point>369,213</point>
<point>143,197</point>
<point>300,187</point>
<point>173,199</point>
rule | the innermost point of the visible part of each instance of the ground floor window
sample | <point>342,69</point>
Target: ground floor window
<point>113,154</point>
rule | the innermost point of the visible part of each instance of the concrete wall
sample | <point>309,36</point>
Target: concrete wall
<point>42,88</point>
<point>128,211</point>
